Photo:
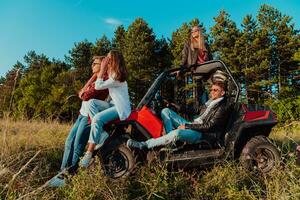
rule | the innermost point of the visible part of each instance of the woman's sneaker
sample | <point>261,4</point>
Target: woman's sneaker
<point>57,181</point>
<point>85,161</point>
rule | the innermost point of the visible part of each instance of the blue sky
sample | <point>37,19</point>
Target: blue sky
<point>53,26</point>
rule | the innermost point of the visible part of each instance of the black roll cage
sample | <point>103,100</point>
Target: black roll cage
<point>204,68</point>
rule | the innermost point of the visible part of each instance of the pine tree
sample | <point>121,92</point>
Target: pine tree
<point>62,101</point>
<point>283,44</point>
<point>102,46</point>
<point>224,35</point>
<point>118,42</point>
<point>251,48</point>
<point>295,74</point>
<point>31,91</point>
<point>179,37</point>
<point>163,54</point>
<point>35,62</point>
<point>33,96</point>
<point>80,59</point>
<point>140,58</point>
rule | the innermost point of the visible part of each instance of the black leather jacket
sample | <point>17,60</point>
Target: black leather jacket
<point>214,123</point>
<point>189,57</point>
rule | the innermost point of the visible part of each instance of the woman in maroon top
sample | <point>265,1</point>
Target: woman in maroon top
<point>79,134</point>
<point>196,50</point>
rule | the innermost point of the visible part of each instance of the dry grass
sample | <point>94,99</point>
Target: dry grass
<point>289,132</point>
<point>24,135</point>
<point>23,140</point>
<point>23,170</point>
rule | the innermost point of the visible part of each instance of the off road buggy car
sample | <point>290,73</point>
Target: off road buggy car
<point>245,137</point>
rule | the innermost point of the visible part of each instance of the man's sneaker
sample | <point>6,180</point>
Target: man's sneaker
<point>56,181</point>
<point>135,144</point>
<point>85,161</point>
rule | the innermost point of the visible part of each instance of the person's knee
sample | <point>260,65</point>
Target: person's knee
<point>179,133</point>
<point>97,120</point>
<point>91,102</point>
<point>166,111</point>
<point>175,133</point>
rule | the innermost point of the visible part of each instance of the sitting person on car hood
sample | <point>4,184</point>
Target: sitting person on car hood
<point>212,119</point>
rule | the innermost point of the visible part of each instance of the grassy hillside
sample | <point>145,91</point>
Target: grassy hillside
<point>30,154</point>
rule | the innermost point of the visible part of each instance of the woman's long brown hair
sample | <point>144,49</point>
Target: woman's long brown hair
<point>118,67</point>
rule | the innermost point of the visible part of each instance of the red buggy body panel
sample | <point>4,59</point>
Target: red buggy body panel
<point>144,117</point>
<point>258,115</point>
<point>148,120</point>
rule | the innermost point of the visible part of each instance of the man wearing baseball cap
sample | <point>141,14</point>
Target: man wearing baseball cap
<point>211,119</point>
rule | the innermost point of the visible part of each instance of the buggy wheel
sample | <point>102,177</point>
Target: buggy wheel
<point>260,154</point>
<point>118,161</point>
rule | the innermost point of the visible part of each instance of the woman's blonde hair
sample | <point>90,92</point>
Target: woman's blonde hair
<point>118,67</point>
<point>200,43</point>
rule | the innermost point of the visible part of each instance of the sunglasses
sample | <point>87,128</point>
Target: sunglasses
<point>214,90</point>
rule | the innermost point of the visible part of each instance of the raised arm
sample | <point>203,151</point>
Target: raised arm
<point>184,55</point>
<point>103,69</point>
<point>90,81</point>
<point>100,84</point>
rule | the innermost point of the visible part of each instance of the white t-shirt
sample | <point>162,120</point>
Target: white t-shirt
<point>118,92</point>
<point>84,110</point>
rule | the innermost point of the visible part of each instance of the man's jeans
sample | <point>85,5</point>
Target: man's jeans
<point>98,135</point>
<point>171,121</point>
<point>79,135</point>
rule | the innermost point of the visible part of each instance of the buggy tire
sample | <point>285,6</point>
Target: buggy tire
<point>118,161</point>
<point>260,154</point>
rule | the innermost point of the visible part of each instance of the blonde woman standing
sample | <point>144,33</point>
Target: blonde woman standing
<point>196,50</point>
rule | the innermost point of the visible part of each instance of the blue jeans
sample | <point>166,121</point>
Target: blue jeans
<point>98,135</point>
<point>96,106</point>
<point>171,121</point>
<point>76,142</point>
<point>79,135</point>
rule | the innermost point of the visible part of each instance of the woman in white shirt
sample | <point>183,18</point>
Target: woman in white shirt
<point>118,90</point>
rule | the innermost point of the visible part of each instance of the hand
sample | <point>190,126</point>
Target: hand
<point>105,62</point>
<point>175,73</point>
<point>182,126</point>
<point>94,77</point>
<point>175,106</point>
<point>80,93</point>
<point>99,74</point>
<point>103,69</point>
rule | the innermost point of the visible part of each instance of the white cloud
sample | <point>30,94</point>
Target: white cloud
<point>112,21</point>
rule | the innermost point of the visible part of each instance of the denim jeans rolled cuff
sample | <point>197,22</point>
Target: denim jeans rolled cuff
<point>75,142</point>
<point>98,135</point>
<point>171,119</point>
<point>183,135</point>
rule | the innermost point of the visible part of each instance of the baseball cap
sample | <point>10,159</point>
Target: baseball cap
<point>219,76</point>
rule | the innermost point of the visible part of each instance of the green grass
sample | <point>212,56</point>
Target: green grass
<point>224,181</point>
